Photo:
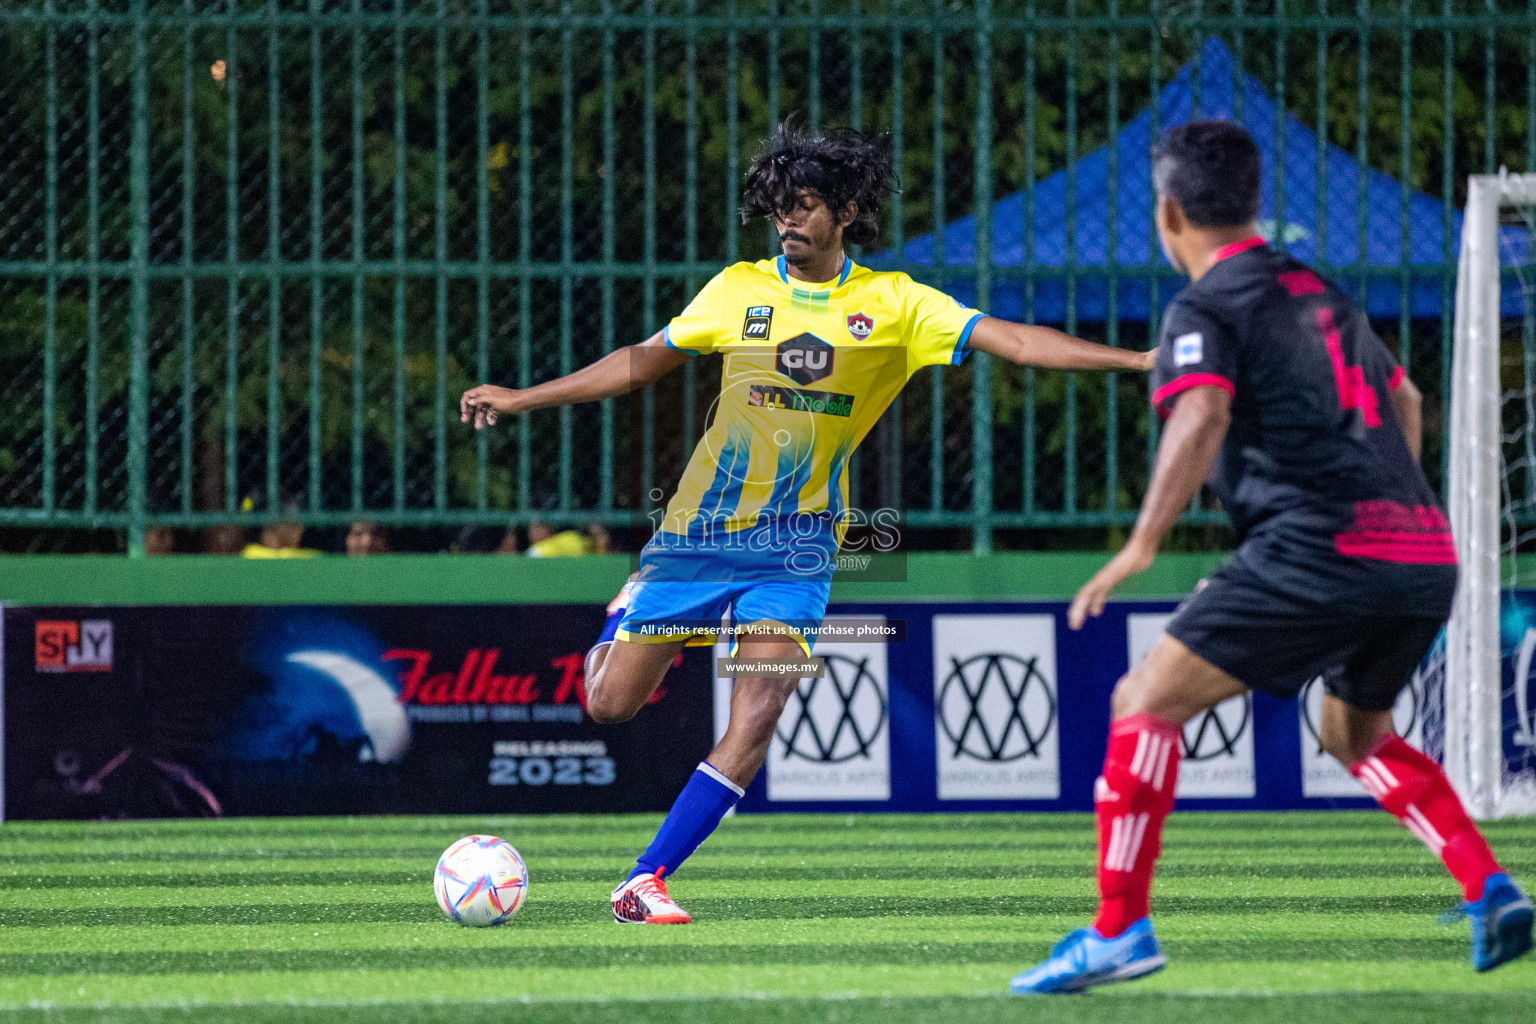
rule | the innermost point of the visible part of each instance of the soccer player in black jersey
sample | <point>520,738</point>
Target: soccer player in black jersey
<point>1275,388</point>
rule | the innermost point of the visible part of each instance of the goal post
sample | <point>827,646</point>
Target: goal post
<point>1485,419</point>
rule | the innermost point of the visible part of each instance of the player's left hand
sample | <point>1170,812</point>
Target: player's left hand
<point>1135,557</point>
<point>1148,360</point>
<point>481,405</point>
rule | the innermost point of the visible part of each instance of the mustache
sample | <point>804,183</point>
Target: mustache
<point>793,236</point>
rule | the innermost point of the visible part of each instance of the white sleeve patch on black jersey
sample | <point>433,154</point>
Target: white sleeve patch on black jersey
<point>1188,349</point>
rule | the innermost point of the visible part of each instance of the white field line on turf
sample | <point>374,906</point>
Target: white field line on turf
<point>1128,992</point>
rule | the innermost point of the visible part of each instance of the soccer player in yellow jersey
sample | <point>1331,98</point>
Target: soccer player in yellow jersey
<point>816,347</point>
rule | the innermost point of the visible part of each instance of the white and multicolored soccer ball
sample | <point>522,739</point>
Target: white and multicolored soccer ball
<point>481,881</point>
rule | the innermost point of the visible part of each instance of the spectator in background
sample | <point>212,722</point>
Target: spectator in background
<point>224,539</point>
<point>508,545</point>
<point>159,540</point>
<point>601,542</point>
<point>283,539</point>
<point>476,540</point>
<point>365,538</point>
<point>545,543</point>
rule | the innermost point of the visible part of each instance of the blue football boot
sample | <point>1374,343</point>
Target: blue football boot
<point>1085,959</point>
<point>1501,923</point>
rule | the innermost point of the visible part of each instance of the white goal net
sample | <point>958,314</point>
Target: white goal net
<point>1486,735</point>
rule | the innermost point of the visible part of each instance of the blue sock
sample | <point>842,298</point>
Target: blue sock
<point>697,812</point>
<point>611,626</point>
<point>616,609</point>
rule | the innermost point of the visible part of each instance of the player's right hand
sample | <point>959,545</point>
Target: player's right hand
<point>483,403</point>
<point>1134,558</point>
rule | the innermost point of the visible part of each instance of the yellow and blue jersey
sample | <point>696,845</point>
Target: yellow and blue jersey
<point>808,370</point>
<point>754,527</point>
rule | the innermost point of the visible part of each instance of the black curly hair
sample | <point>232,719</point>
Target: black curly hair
<point>840,165</point>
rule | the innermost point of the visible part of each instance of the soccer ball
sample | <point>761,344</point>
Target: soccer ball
<point>480,881</point>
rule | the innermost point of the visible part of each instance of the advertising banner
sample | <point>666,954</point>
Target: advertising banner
<point>1321,773</point>
<point>129,712</point>
<point>834,741</point>
<point>1218,745</point>
<point>1000,706</point>
<point>381,709</point>
<point>994,696</point>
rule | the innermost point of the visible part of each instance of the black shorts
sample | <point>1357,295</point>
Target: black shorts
<point>1253,622</point>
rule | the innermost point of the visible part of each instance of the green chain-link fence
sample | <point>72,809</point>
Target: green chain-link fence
<point>251,250</point>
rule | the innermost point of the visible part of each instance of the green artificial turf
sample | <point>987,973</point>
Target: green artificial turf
<point>894,919</point>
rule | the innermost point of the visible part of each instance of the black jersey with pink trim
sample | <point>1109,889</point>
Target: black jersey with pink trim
<point>1314,455</point>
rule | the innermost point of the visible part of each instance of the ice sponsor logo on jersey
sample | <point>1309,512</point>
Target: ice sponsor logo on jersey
<point>860,326</point>
<point>833,740</point>
<point>72,645</point>
<point>758,323</point>
<point>995,712</point>
<point>1321,774</point>
<point>1217,744</point>
<point>804,359</point>
<point>1188,349</point>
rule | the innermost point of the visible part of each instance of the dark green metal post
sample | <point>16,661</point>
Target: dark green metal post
<point>274,425</point>
<point>359,182</point>
<point>138,327</point>
<point>316,252</point>
<point>440,247</point>
<point>51,254</point>
<point>981,368</point>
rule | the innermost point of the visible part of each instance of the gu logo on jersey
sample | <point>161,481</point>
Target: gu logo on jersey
<point>83,645</point>
<point>759,321</point>
<point>804,358</point>
<point>1188,349</point>
<point>860,325</point>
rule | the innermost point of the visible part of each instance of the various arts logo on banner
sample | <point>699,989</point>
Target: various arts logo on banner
<point>1321,773</point>
<point>833,741</point>
<point>995,712</point>
<point>1218,744</point>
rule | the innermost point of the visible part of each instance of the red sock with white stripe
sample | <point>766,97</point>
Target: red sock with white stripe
<point>1415,791</point>
<point>1131,800</point>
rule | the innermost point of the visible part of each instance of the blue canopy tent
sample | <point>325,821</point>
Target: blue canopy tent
<point>1428,242</point>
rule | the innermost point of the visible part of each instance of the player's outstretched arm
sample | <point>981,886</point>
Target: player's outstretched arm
<point>1047,348</point>
<point>617,373</point>
<point>1189,446</point>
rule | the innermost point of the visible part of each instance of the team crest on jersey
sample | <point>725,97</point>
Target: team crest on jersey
<point>804,359</point>
<point>860,325</point>
<point>759,320</point>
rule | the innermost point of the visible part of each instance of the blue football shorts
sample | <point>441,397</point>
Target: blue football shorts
<point>666,611</point>
<point>687,585</point>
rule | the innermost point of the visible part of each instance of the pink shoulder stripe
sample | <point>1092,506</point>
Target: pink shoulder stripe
<point>1192,380</point>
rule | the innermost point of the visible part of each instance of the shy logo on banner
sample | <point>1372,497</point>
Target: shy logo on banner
<point>1218,744</point>
<point>995,714</point>
<point>73,645</point>
<point>833,740</point>
<point>1321,774</point>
